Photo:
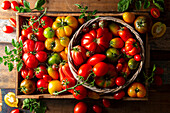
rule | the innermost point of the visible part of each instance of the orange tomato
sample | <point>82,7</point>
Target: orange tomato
<point>128,17</point>
<point>63,55</point>
<point>81,21</point>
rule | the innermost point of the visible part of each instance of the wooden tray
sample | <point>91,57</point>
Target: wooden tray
<point>22,16</point>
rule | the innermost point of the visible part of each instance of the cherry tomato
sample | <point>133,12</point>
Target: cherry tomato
<point>23,38</point>
<point>119,67</point>
<point>100,69</point>
<point>47,78</point>
<point>106,103</point>
<point>5,5</point>
<point>32,23</point>
<point>25,32</point>
<point>137,57</point>
<point>13,5</point>
<point>46,21</point>
<point>41,56</point>
<point>121,60</point>
<point>85,70</point>
<point>27,73</point>
<point>40,35</point>
<point>40,71</point>
<point>159,71</point>
<point>120,81</point>
<point>55,67</point>
<point>97,109</point>
<point>42,85</point>
<point>80,107</point>
<point>7,29</point>
<point>155,12</point>
<point>13,22</point>
<point>157,80</point>
<point>119,95</point>
<point>82,92</point>
<point>15,111</point>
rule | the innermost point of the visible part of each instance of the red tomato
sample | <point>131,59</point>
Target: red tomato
<point>96,59</point>
<point>125,34</point>
<point>25,32</point>
<point>7,29</point>
<point>137,57</point>
<point>85,70</point>
<point>96,40</point>
<point>5,5</point>
<point>28,46</point>
<point>15,111</point>
<point>100,69</point>
<point>89,53</point>
<point>21,2</point>
<point>27,73</point>
<point>106,103</point>
<point>55,67</point>
<point>47,78</point>
<point>46,21</point>
<point>39,46</point>
<point>155,12</point>
<point>119,95</point>
<point>42,85</point>
<point>40,71</point>
<point>71,83</point>
<point>30,60</point>
<point>121,60</point>
<point>40,35</point>
<point>120,81</point>
<point>13,5</point>
<point>23,38</point>
<point>119,67</point>
<point>35,24</point>
<point>41,56</point>
<point>157,80</point>
<point>97,109</point>
<point>81,92</point>
<point>125,70</point>
<point>78,54</point>
<point>159,71</point>
<point>80,107</point>
<point>13,22</point>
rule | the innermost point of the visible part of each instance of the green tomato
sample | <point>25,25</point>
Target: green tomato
<point>49,32</point>
<point>133,64</point>
<point>112,54</point>
<point>54,59</point>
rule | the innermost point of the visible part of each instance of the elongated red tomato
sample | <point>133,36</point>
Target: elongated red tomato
<point>5,5</point>
<point>106,103</point>
<point>15,111</point>
<point>125,34</point>
<point>96,59</point>
<point>14,4</point>
<point>7,29</point>
<point>97,109</point>
<point>100,69</point>
<point>12,22</point>
<point>80,107</point>
<point>85,70</point>
<point>119,95</point>
<point>27,73</point>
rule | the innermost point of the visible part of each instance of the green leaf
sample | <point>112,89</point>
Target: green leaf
<point>79,6</point>
<point>13,42</point>
<point>159,4</point>
<point>18,9</point>
<point>154,68</point>
<point>27,10</point>
<point>39,3</point>
<point>5,63</point>
<point>7,50</point>
<point>21,43</point>
<point>123,5</point>
<point>85,8</point>
<point>19,66</point>
<point>40,8</point>
<point>17,45</point>
<point>81,16</point>
<point>26,4</point>
<point>96,16</point>
<point>94,12</point>
<point>138,4</point>
<point>146,4</point>
<point>10,66</point>
<point>1,60</point>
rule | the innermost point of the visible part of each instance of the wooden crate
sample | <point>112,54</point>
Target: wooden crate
<point>22,16</point>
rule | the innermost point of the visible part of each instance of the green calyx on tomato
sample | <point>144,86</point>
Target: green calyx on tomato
<point>49,32</point>
<point>54,59</point>
<point>112,54</point>
<point>133,64</point>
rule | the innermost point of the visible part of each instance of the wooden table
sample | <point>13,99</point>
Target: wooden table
<point>159,100</point>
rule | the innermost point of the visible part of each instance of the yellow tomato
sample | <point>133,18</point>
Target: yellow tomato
<point>54,85</point>
<point>128,17</point>
<point>63,55</point>
<point>64,41</point>
<point>64,31</point>
<point>158,29</point>
<point>10,99</point>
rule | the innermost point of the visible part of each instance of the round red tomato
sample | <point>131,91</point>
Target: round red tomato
<point>35,24</point>
<point>27,73</point>
<point>28,46</point>
<point>30,60</point>
<point>120,81</point>
<point>46,21</point>
<point>42,85</point>
<point>97,109</point>
<point>119,95</point>
<point>71,82</point>
<point>40,35</point>
<point>5,5</point>
<point>55,67</point>
<point>155,12</point>
<point>41,56</point>
<point>121,60</point>
<point>13,5</point>
<point>125,34</point>
<point>15,111</point>
<point>40,71</point>
<point>47,78</point>
<point>85,70</point>
<point>13,22</point>
<point>137,57</point>
<point>80,93</point>
<point>106,103</point>
<point>80,107</point>
<point>26,31</point>
<point>39,46</point>
<point>7,29</point>
<point>96,59</point>
<point>100,69</point>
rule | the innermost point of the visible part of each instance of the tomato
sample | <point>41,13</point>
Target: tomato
<point>119,67</point>
<point>96,58</point>
<point>132,46</point>
<point>53,44</point>
<point>13,22</point>
<point>11,96</point>
<point>142,24</point>
<point>97,109</point>
<point>96,40</point>
<point>119,95</point>
<point>137,57</point>
<point>100,69</point>
<point>84,70</point>
<point>25,32</point>
<point>54,74</point>
<point>54,59</point>
<point>47,78</point>
<point>39,46</point>
<point>49,32</point>
<point>80,107</point>
<point>108,80</point>
<point>40,35</point>
<point>53,86</point>
<point>55,67</point>
<point>64,26</point>
<point>40,71</point>
<point>136,89</point>
<point>117,43</point>
<point>14,4</point>
<point>112,54</point>
<point>70,83</point>
<point>125,34</point>
<point>125,70</point>
<point>66,50</point>
<point>22,38</point>
<point>114,28</point>
<point>78,54</point>
<point>126,55</point>
<point>21,2</point>
<point>27,73</point>
<point>155,12</point>
<point>133,64</point>
<point>128,17</point>
<point>64,41</point>
<point>120,81</point>
<point>28,46</point>
<point>106,103</point>
<point>46,21</point>
<point>7,29</point>
<point>89,53</point>
<point>121,60</point>
<point>103,23</point>
<point>63,55</point>
<point>41,56</point>
<point>32,22</point>
<point>30,60</point>
<point>42,85</point>
<point>5,5</point>
<point>80,93</point>
<point>81,21</point>
<point>27,86</point>
<point>159,71</point>
<point>157,80</point>
<point>15,111</point>
<point>158,29</point>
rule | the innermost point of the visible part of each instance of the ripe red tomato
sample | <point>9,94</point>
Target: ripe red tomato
<point>157,80</point>
<point>40,71</point>
<point>42,85</point>
<point>25,32</point>
<point>119,95</point>
<point>39,46</point>
<point>81,94</point>
<point>96,58</point>
<point>47,78</point>
<point>30,60</point>
<point>15,111</point>
<point>120,81</point>
<point>40,35</point>
<point>125,70</point>
<point>137,57</point>
<point>85,70</point>
<point>100,69</point>
<point>13,22</point>
<point>31,20</point>
<point>119,67</point>
<point>55,67</point>
<point>106,103</point>
<point>121,60</point>
<point>159,71</point>
<point>80,107</point>
<point>97,109</point>
<point>46,21</point>
<point>155,12</point>
<point>125,34</point>
<point>5,5</point>
<point>28,46</point>
<point>71,83</point>
<point>13,5</point>
<point>27,73</point>
<point>41,56</point>
<point>7,29</point>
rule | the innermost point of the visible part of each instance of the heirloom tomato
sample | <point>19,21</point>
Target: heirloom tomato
<point>5,5</point>
<point>39,34</point>
<point>126,55</point>
<point>80,92</point>
<point>7,29</point>
<point>49,32</point>
<point>11,96</point>
<point>54,74</point>
<point>54,59</point>
<point>41,56</point>
<point>85,70</point>
<point>54,86</point>
<point>30,60</point>
<point>39,46</point>
<point>42,85</point>
<point>97,109</point>
<point>15,111</point>
<point>32,22</point>
<point>14,4</point>
<point>106,103</point>
<point>26,31</point>
<point>64,41</point>
<point>119,95</point>
<point>63,55</point>
<point>40,71</point>
<point>96,58</point>
<point>158,29</point>
<point>80,107</point>
<point>136,89</point>
<point>46,21</point>
<point>133,64</point>
<point>28,46</point>
<point>47,78</point>
<point>120,81</point>
<point>53,44</point>
<point>12,22</point>
<point>96,40</point>
<point>100,69</point>
<point>117,43</point>
<point>108,80</point>
<point>27,73</point>
<point>114,28</point>
<point>27,86</point>
<point>128,17</point>
<point>125,34</point>
<point>132,46</point>
<point>112,54</point>
<point>65,26</point>
<point>78,54</point>
<point>125,70</point>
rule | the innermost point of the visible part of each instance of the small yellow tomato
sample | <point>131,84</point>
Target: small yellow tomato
<point>10,99</point>
<point>54,85</point>
<point>64,41</point>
